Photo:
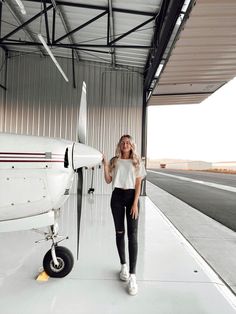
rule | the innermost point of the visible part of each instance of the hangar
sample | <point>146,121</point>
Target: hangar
<point>130,55</point>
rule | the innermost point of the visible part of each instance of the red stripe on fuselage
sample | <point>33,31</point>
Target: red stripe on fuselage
<point>11,153</point>
<point>5,160</point>
<point>28,154</point>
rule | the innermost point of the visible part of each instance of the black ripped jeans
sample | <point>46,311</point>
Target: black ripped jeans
<point>121,203</point>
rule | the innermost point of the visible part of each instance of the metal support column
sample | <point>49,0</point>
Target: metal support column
<point>144,141</point>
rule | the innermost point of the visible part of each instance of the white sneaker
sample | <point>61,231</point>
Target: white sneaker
<point>132,286</point>
<point>124,274</point>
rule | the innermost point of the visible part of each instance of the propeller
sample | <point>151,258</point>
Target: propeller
<point>79,206</point>
<point>82,129</point>
<point>82,156</point>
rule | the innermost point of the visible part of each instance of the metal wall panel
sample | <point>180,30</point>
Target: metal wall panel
<point>2,82</point>
<point>40,102</point>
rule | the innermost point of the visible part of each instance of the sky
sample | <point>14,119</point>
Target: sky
<point>205,131</point>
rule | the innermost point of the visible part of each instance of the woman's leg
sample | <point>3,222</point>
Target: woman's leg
<point>132,226</point>
<point>118,212</point>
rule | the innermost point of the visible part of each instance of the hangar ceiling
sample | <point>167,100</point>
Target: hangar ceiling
<point>117,32</point>
<point>185,49</point>
<point>102,30</point>
<point>203,58</point>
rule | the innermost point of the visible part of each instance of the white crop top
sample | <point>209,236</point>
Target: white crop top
<point>124,174</point>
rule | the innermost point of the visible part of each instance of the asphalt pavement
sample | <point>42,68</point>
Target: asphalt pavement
<point>216,203</point>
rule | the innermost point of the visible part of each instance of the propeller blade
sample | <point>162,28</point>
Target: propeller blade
<point>79,204</point>
<point>82,129</point>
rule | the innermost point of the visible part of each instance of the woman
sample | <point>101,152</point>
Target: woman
<point>125,171</point>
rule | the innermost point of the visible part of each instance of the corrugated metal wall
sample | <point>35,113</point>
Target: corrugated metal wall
<point>2,82</point>
<point>40,102</point>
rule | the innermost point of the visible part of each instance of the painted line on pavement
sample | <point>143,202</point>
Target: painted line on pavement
<point>213,185</point>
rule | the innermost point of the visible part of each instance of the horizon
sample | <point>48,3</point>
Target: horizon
<point>186,160</point>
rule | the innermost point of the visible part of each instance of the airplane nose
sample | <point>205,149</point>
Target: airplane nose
<point>85,156</point>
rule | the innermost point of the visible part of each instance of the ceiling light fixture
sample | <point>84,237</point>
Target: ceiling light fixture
<point>21,6</point>
<point>52,56</point>
<point>159,69</point>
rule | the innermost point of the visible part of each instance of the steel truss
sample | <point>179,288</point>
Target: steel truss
<point>165,20</point>
<point>57,42</point>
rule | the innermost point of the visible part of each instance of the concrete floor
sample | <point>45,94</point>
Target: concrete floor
<point>172,277</point>
<point>212,240</point>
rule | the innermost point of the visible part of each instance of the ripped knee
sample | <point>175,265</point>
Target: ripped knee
<point>120,234</point>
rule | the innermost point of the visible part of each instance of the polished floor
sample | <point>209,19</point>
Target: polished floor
<point>172,277</point>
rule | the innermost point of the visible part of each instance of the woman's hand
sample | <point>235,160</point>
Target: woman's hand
<point>134,211</point>
<point>107,176</point>
<point>134,208</point>
<point>104,160</point>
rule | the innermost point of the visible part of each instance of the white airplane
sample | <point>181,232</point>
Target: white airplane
<point>36,175</point>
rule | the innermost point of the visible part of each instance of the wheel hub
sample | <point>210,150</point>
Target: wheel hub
<point>59,267</point>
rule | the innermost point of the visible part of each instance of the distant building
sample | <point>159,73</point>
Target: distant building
<point>199,165</point>
<point>190,165</point>
<point>179,164</point>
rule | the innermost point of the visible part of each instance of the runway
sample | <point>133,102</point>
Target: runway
<point>218,178</point>
<point>213,194</point>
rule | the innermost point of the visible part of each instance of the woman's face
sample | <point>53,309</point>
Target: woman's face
<point>125,145</point>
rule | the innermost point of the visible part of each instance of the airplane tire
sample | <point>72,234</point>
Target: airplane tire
<point>65,259</point>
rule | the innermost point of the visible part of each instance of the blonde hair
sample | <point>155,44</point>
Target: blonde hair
<point>133,154</point>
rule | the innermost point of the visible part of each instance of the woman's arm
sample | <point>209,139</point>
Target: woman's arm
<point>134,208</point>
<point>107,176</point>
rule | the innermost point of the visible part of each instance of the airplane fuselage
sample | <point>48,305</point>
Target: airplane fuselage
<point>36,173</point>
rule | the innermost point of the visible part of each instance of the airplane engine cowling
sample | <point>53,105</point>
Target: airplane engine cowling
<point>85,156</point>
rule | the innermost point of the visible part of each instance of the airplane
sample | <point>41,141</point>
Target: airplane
<point>36,175</point>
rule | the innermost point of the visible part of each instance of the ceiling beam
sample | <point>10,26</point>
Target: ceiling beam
<point>59,11</point>
<point>3,47</point>
<point>96,7</point>
<point>132,30</point>
<point>80,27</point>
<point>172,10</point>
<point>182,94</point>
<point>24,24</point>
<point>111,32</point>
<point>29,43</point>
<point>46,22</point>
<point>53,24</point>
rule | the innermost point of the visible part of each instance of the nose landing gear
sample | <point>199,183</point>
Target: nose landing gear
<point>58,261</point>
